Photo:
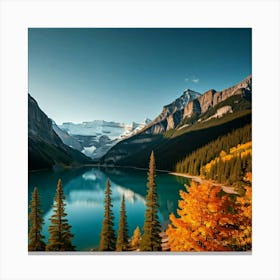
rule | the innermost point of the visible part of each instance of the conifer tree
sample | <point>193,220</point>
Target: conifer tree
<point>59,229</point>
<point>135,239</point>
<point>122,240</point>
<point>36,239</point>
<point>151,241</point>
<point>107,236</point>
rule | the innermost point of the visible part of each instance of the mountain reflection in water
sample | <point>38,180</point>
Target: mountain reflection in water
<point>84,197</point>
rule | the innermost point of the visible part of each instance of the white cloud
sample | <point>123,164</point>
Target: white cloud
<point>192,79</point>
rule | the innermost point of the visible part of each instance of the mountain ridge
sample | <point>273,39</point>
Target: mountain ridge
<point>45,148</point>
<point>213,114</point>
<point>95,138</point>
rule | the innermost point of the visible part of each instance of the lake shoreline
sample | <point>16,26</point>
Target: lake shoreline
<point>226,189</point>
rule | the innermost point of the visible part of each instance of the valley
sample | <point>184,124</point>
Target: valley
<point>200,143</point>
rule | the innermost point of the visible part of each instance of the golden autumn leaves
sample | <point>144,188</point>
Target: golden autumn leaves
<point>211,220</point>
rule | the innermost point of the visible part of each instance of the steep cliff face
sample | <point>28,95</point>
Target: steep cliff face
<point>211,98</point>
<point>192,108</point>
<point>171,114</point>
<point>184,127</point>
<point>45,148</point>
<point>39,125</point>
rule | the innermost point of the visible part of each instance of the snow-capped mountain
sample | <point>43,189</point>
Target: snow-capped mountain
<point>180,103</point>
<point>192,120</point>
<point>172,113</point>
<point>95,138</point>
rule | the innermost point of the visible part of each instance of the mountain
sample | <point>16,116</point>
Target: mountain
<point>66,138</point>
<point>184,127</point>
<point>45,148</point>
<point>95,138</point>
<point>171,114</point>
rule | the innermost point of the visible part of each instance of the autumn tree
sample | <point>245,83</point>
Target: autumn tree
<point>36,221</point>
<point>59,229</point>
<point>211,220</point>
<point>135,239</point>
<point>151,241</point>
<point>122,240</point>
<point>107,236</point>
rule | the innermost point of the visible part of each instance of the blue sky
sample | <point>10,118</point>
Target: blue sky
<point>128,74</point>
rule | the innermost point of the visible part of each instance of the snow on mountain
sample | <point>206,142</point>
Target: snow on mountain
<point>88,151</point>
<point>171,114</point>
<point>180,103</point>
<point>98,136</point>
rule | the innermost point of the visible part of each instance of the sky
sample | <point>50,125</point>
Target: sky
<point>129,74</point>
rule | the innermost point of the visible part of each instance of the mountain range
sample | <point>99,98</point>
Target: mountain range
<point>187,123</point>
<point>95,138</point>
<point>180,129</point>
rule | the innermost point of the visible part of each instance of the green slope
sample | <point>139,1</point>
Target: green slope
<point>174,145</point>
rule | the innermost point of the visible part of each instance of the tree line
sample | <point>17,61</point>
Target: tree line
<point>208,219</point>
<point>60,238</point>
<point>223,171</point>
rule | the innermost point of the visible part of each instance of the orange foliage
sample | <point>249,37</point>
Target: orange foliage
<point>210,220</point>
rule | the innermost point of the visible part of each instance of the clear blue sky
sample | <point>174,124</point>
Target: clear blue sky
<point>128,74</point>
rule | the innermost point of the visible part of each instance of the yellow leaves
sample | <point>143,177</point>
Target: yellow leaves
<point>206,224</point>
<point>241,147</point>
<point>223,154</point>
<point>241,150</point>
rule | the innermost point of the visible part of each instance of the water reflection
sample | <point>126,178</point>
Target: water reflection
<point>84,192</point>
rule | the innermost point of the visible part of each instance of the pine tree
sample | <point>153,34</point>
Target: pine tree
<point>107,236</point>
<point>151,241</point>
<point>36,239</point>
<point>135,239</point>
<point>59,229</point>
<point>122,240</point>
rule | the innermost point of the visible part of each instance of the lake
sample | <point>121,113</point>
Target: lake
<point>84,192</point>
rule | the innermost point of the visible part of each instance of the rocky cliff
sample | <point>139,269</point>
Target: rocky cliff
<point>171,114</point>
<point>45,148</point>
<point>212,97</point>
<point>183,127</point>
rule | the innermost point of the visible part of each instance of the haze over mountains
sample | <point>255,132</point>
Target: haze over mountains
<point>95,138</point>
<point>187,123</point>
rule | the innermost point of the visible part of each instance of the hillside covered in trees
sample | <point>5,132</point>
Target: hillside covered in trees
<point>225,160</point>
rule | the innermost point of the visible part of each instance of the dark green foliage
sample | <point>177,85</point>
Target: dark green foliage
<point>45,148</point>
<point>36,239</point>
<point>189,120</point>
<point>223,171</point>
<point>174,145</point>
<point>122,240</point>
<point>107,236</point>
<point>151,241</point>
<point>232,120</point>
<point>43,155</point>
<point>59,229</point>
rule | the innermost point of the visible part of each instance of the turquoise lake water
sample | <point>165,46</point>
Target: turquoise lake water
<point>84,192</point>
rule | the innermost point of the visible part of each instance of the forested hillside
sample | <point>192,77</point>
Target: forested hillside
<point>226,159</point>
